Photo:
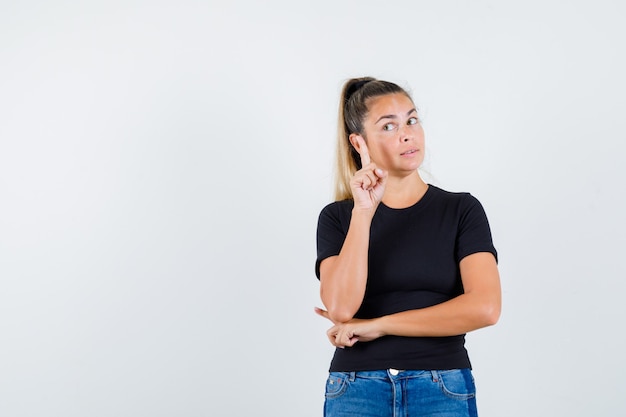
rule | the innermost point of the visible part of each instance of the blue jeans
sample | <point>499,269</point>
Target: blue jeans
<point>397,393</point>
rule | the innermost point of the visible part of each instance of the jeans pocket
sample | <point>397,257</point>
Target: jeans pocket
<point>457,383</point>
<point>336,384</point>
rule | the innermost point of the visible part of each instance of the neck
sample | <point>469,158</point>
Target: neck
<point>401,192</point>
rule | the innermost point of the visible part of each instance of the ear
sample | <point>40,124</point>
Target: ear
<point>354,141</point>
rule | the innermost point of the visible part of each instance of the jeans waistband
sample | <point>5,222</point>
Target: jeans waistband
<point>392,373</point>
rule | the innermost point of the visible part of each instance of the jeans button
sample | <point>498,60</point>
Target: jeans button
<point>393,372</point>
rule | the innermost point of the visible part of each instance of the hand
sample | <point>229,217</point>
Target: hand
<point>368,183</point>
<point>343,335</point>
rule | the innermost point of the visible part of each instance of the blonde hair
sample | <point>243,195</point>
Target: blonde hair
<point>352,111</point>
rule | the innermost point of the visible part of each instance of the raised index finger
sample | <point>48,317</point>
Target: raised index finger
<point>364,152</point>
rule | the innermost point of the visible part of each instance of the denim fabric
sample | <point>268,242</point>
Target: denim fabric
<point>394,393</point>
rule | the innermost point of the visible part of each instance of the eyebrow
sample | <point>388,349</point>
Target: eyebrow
<point>393,116</point>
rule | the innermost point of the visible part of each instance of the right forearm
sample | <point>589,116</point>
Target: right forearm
<point>343,278</point>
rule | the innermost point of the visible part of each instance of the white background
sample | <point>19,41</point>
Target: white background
<point>162,166</point>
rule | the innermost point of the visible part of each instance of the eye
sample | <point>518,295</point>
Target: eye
<point>413,121</point>
<point>388,127</point>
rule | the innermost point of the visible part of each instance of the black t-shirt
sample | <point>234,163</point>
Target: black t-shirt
<point>414,256</point>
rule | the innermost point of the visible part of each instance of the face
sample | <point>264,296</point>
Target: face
<point>393,134</point>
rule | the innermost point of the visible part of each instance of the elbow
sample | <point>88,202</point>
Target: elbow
<point>339,311</point>
<point>490,314</point>
<point>340,315</point>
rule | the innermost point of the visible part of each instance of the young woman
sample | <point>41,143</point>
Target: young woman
<point>405,268</point>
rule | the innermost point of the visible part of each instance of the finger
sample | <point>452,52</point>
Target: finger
<point>364,152</point>
<point>346,338</point>
<point>338,341</point>
<point>332,332</point>
<point>334,337</point>
<point>331,339</point>
<point>378,176</point>
<point>323,313</point>
<point>366,179</point>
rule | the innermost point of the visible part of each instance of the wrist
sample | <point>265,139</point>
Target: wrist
<point>366,213</point>
<point>381,326</point>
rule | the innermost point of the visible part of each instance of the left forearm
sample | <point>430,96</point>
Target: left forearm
<point>460,315</point>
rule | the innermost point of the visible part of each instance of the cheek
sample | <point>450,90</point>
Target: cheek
<point>419,132</point>
<point>419,137</point>
<point>379,154</point>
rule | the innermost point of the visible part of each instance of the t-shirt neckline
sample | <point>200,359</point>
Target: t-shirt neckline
<point>417,204</point>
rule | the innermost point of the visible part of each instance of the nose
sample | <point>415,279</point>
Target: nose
<point>405,134</point>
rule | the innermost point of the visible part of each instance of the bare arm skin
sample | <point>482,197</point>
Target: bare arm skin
<point>478,307</point>
<point>343,277</point>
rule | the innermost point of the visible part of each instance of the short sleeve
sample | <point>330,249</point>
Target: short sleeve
<point>332,228</point>
<point>474,233</point>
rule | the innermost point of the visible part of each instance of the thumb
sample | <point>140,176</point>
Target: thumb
<point>322,312</point>
<point>382,177</point>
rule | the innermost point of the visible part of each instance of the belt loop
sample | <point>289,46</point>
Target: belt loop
<point>352,376</point>
<point>435,375</point>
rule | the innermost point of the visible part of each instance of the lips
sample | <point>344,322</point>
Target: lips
<point>409,152</point>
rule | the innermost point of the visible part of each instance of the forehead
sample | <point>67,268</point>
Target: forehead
<point>389,104</point>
